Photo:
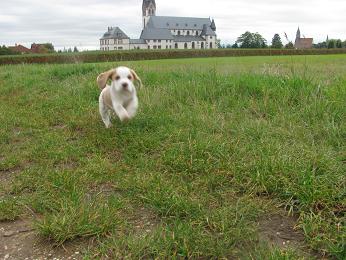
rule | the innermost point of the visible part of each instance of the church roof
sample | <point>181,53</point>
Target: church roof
<point>176,23</point>
<point>137,41</point>
<point>156,34</point>
<point>188,39</point>
<point>207,31</point>
<point>115,33</point>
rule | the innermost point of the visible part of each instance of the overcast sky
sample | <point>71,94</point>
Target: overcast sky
<point>82,22</point>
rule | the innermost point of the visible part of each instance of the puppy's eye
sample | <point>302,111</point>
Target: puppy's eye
<point>117,77</point>
<point>129,77</point>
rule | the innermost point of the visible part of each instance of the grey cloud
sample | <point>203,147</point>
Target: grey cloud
<point>82,23</point>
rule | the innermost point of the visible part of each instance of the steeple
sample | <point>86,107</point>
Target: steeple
<point>298,34</point>
<point>213,26</point>
<point>148,9</point>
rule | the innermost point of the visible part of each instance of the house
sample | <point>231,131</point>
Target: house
<point>20,49</point>
<point>302,43</point>
<point>163,32</point>
<point>39,48</point>
<point>35,48</point>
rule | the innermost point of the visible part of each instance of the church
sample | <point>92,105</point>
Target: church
<point>302,43</point>
<point>163,32</point>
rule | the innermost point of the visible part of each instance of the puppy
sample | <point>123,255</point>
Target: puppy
<point>119,97</point>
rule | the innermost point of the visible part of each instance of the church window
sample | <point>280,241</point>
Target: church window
<point>196,33</point>
<point>176,46</point>
<point>179,33</point>
<point>159,47</point>
<point>185,45</point>
<point>193,45</point>
<point>211,45</point>
<point>188,32</point>
<point>159,40</point>
<point>202,45</point>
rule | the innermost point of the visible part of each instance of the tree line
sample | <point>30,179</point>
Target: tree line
<point>250,40</point>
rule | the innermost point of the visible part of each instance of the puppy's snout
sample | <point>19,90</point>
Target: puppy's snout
<point>125,85</point>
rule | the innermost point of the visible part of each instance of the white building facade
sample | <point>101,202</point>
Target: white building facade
<point>163,32</point>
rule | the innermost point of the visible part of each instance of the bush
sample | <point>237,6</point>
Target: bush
<point>92,57</point>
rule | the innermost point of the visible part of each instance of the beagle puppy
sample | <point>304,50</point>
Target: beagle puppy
<point>120,96</point>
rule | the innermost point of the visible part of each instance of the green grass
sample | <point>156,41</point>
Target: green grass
<point>217,145</point>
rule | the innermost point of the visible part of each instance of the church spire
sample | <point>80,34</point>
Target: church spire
<point>213,26</point>
<point>298,33</point>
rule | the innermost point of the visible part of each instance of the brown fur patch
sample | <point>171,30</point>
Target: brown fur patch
<point>103,78</point>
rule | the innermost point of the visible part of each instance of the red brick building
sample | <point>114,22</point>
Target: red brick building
<point>20,49</point>
<point>35,48</point>
<point>303,43</point>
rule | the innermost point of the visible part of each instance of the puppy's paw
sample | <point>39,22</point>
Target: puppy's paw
<point>125,118</point>
<point>108,125</point>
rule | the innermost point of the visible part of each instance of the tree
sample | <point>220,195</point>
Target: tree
<point>251,40</point>
<point>289,45</point>
<point>338,44</point>
<point>49,47</point>
<point>276,42</point>
<point>75,49</point>
<point>235,46</point>
<point>218,43</point>
<point>321,45</point>
<point>7,51</point>
<point>331,44</point>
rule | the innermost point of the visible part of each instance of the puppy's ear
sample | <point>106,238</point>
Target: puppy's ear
<point>138,79</point>
<point>104,77</point>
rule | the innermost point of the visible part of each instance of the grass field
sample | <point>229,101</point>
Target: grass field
<point>228,157</point>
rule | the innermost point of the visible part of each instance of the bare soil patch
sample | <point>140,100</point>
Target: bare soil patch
<point>281,231</point>
<point>19,240</point>
<point>143,221</point>
<point>6,175</point>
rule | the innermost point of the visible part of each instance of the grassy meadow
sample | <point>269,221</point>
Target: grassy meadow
<point>222,150</point>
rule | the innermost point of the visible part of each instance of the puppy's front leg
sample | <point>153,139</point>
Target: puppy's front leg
<point>121,112</point>
<point>132,108</point>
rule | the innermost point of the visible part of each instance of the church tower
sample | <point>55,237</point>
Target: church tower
<point>298,34</point>
<point>148,9</point>
<point>297,37</point>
